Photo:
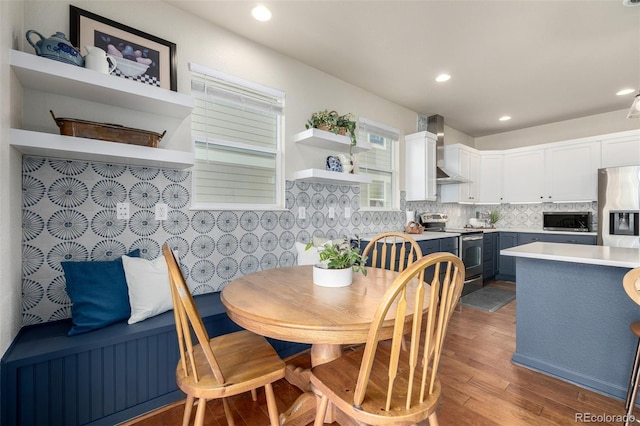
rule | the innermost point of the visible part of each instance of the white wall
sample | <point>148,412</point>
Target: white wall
<point>11,31</point>
<point>453,136</point>
<point>593,125</point>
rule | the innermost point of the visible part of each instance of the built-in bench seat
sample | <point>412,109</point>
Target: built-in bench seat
<point>102,377</point>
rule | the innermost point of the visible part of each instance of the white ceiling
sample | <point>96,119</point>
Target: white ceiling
<point>538,61</point>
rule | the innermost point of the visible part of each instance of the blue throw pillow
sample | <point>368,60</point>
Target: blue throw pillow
<point>99,293</point>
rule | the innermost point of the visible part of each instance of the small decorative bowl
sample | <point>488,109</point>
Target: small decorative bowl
<point>131,68</point>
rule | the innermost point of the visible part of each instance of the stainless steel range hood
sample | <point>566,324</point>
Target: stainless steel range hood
<point>435,125</point>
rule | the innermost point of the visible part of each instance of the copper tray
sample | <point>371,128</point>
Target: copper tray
<point>107,132</point>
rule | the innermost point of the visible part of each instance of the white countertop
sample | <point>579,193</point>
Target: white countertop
<point>540,231</point>
<point>577,253</point>
<point>428,235</point>
<point>420,237</point>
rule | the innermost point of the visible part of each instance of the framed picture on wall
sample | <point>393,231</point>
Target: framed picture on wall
<point>140,56</point>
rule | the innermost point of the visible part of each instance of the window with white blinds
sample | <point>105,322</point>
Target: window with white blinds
<point>237,130</point>
<point>380,164</point>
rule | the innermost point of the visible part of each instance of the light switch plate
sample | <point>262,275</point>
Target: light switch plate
<point>122,211</point>
<point>161,211</point>
<point>302,213</point>
<point>332,212</point>
<point>347,212</point>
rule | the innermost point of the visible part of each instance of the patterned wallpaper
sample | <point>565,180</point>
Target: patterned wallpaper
<point>69,213</point>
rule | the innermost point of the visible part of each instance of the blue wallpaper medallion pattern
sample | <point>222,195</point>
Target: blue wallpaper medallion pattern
<point>69,214</point>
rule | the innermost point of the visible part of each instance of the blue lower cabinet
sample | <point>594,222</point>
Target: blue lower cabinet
<point>507,264</point>
<point>489,256</point>
<point>429,246</point>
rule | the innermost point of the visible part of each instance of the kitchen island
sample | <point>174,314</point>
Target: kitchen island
<point>573,315</point>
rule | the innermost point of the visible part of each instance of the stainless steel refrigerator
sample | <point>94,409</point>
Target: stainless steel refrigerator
<point>618,206</point>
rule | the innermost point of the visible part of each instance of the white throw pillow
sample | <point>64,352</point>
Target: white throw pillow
<point>319,241</point>
<point>307,257</point>
<point>149,291</point>
<point>311,256</point>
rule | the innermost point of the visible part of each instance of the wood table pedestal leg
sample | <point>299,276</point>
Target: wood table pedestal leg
<point>304,409</point>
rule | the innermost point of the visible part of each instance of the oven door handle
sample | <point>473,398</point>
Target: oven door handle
<point>472,238</point>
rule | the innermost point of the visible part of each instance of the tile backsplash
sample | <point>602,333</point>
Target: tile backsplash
<point>69,213</point>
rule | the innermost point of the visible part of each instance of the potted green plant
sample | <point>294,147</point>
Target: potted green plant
<point>494,216</point>
<point>324,120</point>
<point>333,122</point>
<point>338,261</point>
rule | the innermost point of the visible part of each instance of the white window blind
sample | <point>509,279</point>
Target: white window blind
<point>380,164</point>
<point>237,129</point>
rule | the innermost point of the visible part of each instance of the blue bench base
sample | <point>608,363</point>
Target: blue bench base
<point>102,377</point>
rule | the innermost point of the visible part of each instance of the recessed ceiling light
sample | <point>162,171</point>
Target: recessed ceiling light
<point>625,92</point>
<point>442,77</point>
<point>261,13</point>
<point>504,118</point>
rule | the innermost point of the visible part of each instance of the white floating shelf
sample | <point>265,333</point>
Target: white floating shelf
<point>323,139</point>
<point>336,178</point>
<point>35,72</point>
<point>73,148</point>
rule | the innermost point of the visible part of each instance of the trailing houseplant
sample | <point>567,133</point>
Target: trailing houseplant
<point>350,126</point>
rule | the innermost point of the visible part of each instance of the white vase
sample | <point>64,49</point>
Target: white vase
<point>332,277</point>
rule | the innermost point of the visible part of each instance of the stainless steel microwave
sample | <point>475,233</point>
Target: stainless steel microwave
<point>566,221</point>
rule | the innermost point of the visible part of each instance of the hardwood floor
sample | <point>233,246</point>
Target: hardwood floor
<point>480,385</point>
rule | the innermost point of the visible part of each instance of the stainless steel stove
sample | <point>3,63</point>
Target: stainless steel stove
<point>470,243</point>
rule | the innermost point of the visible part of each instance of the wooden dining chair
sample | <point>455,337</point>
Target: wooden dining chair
<point>221,367</point>
<point>392,250</point>
<point>379,384</point>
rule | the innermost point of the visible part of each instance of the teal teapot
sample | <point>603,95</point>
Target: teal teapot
<point>56,47</point>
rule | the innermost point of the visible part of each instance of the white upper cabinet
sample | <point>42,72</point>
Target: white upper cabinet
<point>491,178</point>
<point>420,166</point>
<point>622,149</point>
<point>571,172</point>
<point>524,176</point>
<point>465,161</point>
<point>559,172</point>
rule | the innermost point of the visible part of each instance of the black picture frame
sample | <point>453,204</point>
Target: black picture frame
<point>140,48</point>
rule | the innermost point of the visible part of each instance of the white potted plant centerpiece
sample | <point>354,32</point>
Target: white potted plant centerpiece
<point>338,261</point>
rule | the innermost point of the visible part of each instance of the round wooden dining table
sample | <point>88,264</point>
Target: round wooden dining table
<point>284,304</point>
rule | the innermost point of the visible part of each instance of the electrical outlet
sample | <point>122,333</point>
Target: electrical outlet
<point>122,211</point>
<point>161,211</point>
<point>347,212</point>
<point>302,213</point>
<point>332,212</point>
